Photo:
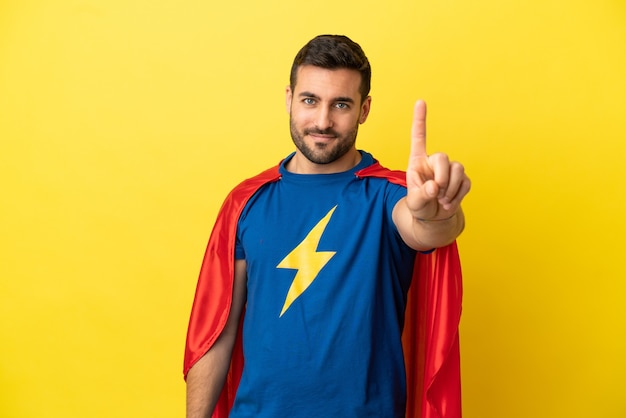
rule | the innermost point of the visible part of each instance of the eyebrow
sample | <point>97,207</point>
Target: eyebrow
<point>336,99</point>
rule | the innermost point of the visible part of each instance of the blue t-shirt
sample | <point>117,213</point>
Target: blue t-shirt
<point>327,280</point>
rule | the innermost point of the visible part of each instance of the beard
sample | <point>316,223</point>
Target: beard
<point>327,152</point>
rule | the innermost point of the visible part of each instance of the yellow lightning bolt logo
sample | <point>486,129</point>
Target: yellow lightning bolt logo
<point>306,260</point>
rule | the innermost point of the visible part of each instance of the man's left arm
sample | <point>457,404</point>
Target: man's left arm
<point>430,216</point>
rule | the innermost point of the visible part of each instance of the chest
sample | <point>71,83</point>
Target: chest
<point>309,245</point>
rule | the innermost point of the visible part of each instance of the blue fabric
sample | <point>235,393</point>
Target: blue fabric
<point>336,350</point>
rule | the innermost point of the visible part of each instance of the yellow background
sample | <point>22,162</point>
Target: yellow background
<point>123,124</point>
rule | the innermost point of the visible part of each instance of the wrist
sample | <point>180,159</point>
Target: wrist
<point>424,220</point>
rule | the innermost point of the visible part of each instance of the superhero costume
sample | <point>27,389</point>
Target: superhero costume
<point>327,277</point>
<point>430,348</point>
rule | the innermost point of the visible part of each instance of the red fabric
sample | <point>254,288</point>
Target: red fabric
<point>431,330</point>
<point>430,337</point>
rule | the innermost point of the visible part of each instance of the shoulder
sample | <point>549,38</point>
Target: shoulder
<point>376,170</point>
<point>252,184</point>
<point>240,194</point>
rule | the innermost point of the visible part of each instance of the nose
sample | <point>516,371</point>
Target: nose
<point>323,119</point>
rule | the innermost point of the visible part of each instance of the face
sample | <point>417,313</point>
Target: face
<point>325,111</point>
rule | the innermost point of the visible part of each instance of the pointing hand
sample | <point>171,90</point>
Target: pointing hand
<point>435,185</point>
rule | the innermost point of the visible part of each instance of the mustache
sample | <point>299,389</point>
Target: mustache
<point>327,131</point>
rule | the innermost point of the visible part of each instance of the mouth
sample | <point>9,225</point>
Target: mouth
<point>321,136</point>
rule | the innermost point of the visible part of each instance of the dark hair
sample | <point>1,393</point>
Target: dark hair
<point>333,52</point>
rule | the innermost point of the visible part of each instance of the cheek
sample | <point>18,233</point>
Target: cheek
<point>349,123</point>
<point>300,117</point>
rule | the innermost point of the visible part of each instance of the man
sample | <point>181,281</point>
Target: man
<point>320,251</point>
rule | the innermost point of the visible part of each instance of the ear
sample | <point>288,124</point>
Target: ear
<point>365,109</point>
<point>288,98</point>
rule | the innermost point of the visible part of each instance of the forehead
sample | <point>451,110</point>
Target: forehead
<point>323,82</point>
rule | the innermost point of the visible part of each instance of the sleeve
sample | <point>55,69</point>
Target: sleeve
<point>240,254</point>
<point>393,194</point>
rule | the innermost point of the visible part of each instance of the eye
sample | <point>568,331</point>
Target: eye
<point>308,101</point>
<point>342,105</point>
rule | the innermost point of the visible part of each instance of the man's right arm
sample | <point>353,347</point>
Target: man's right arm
<point>206,378</point>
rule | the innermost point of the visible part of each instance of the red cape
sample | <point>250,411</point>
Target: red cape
<point>431,331</point>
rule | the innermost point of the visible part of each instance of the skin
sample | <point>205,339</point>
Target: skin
<point>430,216</point>
<point>325,110</point>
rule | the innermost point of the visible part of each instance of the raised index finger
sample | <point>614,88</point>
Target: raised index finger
<point>418,130</point>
